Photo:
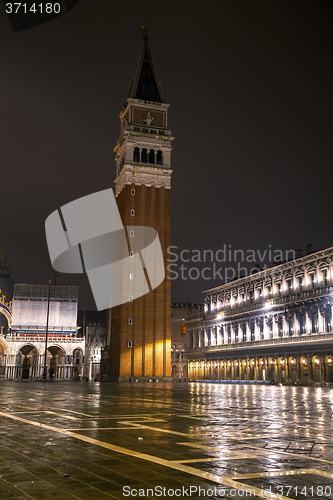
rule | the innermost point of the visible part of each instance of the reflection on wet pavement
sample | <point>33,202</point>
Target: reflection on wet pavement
<point>98,441</point>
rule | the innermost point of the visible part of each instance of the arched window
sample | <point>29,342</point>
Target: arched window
<point>132,212</point>
<point>132,191</point>
<point>136,154</point>
<point>159,157</point>
<point>144,155</point>
<point>151,156</point>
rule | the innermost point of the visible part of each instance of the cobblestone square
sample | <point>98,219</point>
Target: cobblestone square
<point>80,440</point>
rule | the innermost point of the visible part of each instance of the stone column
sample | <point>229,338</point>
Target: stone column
<point>266,328</point>
<point>225,334</point>
<point>257,329</point>
<point>205,337</point>
<point>308,323</point>
<point>248,332</point>
<point>287,370</point>
<point>310,368</point>
<point>255,369</point>
<point>220,335</point>
<point>240,332</point>
<point>266,369</point>
<point>322,370</point>
<point>232,333</point>
<point>298,368</point>
<point>212,336</point>
<point>285,326</point>
<point>277,370</point>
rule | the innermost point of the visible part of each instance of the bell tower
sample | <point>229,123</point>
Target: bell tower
<point>140,336</point>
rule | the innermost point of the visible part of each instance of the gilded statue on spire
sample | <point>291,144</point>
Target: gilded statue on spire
<point>144,30</point>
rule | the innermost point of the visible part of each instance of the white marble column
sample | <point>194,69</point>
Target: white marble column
<point>257,330</point>
<point>219,334</point>
<point>205,336</point>
<point>225,334</point>
<point>285,326</point>
<point>267,333</point>
<point>232,333</point>
<point>308,323</point>
<point>240,332</point>
<point>248,332</point>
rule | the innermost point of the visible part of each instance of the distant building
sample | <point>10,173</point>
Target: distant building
<point>276,325</point>
<point>179,312</point>
<point>94,326</point>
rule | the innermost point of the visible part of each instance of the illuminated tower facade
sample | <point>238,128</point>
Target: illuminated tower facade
<point>140,336</point>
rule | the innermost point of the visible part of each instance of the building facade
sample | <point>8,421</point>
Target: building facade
<point>275,325</point>
<point>94,326</point>
<point>140,338</point>
<point>179,312</point>
<point>23,340</point>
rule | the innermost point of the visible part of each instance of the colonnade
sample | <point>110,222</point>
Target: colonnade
<point>29,364</point>
<point>305,275</point>
<point>144,155</point>
<point>274,325</point>
<point>278,368</point>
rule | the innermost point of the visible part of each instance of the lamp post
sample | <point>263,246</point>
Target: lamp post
<point>47,330</point>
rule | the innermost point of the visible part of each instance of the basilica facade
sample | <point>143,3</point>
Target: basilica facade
<point>25,318</point>
<point>274,325</point>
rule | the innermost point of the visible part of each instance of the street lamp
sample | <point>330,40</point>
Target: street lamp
<point>47,329</point>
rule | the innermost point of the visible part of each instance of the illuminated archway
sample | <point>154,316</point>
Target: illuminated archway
<point>27,357</point>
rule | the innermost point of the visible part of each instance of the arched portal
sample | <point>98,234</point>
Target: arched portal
<point>27,360</point>
<point>55,362</point>
<point>78,364</point>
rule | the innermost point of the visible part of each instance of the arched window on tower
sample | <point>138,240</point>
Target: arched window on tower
<point>136,154</point>
<point>144,155</point>
<point>151,156</point>
<point>159,157</point>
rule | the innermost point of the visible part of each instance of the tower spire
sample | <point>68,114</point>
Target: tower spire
<point>145,83</point>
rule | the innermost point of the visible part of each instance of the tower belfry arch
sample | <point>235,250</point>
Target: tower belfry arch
<point>140,343</point>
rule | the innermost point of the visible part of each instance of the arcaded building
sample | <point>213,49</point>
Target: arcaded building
<point>140,337</point>
<point>275,325</point>
<point>23,338</point>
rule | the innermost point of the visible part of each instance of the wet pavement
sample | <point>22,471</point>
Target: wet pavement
<point>80,440</point>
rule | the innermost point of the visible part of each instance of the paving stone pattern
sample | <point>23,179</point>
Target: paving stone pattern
<point>78,440</point>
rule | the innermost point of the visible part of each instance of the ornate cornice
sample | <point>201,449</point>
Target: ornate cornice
<point>321,259</point>
<point>143,175</point>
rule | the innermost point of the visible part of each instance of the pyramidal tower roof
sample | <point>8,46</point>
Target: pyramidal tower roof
<point>145,83</point>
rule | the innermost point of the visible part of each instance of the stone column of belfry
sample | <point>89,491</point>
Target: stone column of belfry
<point>140,343</point>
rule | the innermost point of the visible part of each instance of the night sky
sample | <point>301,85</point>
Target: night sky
<point>250,87</point>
